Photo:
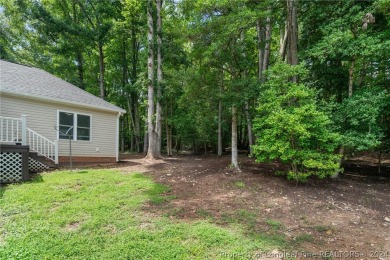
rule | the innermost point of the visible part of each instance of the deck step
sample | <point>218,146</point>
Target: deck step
<point>39,163</point>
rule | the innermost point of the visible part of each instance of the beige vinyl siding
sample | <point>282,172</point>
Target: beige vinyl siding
<point>42,117</point>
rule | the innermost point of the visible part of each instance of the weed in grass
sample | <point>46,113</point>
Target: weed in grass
<point>246,217</point>
<point>244,214</point>
<point>239,184</point>
<point>304,219</point>
<point>227,218</point>
<point>203,213</point>
<point>157,200</point>
<point>330,206</point>
<point>242,217</point>
<point>322,228</point>
<point>303,238</point>
<point>175,212</point>
<point>276,225</point>
<point>278,239</point>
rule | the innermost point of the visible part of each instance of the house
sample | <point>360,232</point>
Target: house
<point>34,105</point>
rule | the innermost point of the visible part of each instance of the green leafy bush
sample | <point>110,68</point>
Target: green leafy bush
<point>289,127</point>
<point>361,119</point>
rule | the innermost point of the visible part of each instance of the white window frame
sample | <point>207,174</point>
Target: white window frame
<point>75,125</point>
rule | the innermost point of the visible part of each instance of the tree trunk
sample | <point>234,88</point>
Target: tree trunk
<point>101,71</point>
<point>134,94</point>
<point>80,68</point>
<point>220,120</point>
<point>124,82</point>
<point>234,139</point>
<point>239,130</point>
<point>363,71</point>
<point>78,49</point>
<point>283,42</point>
<point>292,34</point>
<point>351,75</point>
<point>159,81</point>
<point>244,142</point>
<point>137,130</point>
<point>267,48</point>
<point>194,150</point>
<point>134,60</point>
<point>248,118</point>
<point>132,141</point>
<point>122,135</point>
<point>177,145</point>
<point>146,139</point>
<point>260,49</point>
<point>170,142</point>
<point>294,168</point>
<point>168,131</point>
<point>169,138</point>
<point>124,64</point>
<point>134,136</point>
<point>249,122</point>
<point>151,154</point>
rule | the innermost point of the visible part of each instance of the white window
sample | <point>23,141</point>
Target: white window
<point>78,126</point>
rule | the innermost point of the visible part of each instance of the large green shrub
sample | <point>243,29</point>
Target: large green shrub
<point>289,127</point>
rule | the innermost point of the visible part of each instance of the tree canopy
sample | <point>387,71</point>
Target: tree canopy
<point>302,82</point>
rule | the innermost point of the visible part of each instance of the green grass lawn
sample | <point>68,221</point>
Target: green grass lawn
<point>97,214</point>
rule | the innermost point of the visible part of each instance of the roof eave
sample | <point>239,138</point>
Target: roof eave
<point>57,100</point>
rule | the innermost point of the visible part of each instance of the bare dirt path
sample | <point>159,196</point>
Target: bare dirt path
<point>343,215</point>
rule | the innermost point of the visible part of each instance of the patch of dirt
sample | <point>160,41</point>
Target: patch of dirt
<point>112,229</point>
<point>344,214</point>
<point>72,226</point>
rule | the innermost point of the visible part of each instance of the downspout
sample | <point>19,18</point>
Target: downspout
<point>117,137</point>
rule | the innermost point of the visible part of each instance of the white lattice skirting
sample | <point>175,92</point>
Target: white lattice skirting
<point>35,166</point>
<point>10,167</point>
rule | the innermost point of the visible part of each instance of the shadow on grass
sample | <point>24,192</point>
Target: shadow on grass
<point>139,176</point>
<point>35,178</point>
<point>78,171</point>
<point>2,190</point>
<point>158,194</point>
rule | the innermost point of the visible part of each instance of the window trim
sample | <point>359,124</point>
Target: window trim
<point>75,124</point>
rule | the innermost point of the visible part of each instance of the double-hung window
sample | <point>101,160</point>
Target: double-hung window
<point>77,126</point>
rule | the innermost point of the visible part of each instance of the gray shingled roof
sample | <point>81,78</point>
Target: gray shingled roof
<point>28,81</point>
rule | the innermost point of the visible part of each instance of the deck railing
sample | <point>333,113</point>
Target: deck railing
<point>42,145</point>
<point>15,130</point>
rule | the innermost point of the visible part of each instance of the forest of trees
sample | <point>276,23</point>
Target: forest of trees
<point>303,82</point>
